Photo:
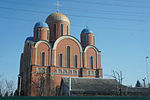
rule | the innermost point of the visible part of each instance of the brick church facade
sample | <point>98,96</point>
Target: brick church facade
<point>53,53</point>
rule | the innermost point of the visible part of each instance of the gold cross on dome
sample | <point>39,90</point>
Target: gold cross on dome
<point>86,25</point>
<point>57,5</point>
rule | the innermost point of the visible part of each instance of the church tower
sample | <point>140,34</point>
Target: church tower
<point>87,37</point>
<point>41,31</point>
<point>59,25</point>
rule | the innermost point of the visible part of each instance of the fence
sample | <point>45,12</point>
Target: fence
<point>76,98</point>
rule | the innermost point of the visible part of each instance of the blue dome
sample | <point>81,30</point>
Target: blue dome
<point>29,39</point>
<point>41,24</point>
<point>87,30</point>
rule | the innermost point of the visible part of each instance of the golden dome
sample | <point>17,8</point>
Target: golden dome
<point>57,17</point>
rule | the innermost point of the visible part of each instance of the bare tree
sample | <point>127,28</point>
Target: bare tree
<point>2,86</point>
<point>119,78</point>
<point>0,93</point>
<point>10,86</point>
<point>40,84</point>
<point>6,87</point>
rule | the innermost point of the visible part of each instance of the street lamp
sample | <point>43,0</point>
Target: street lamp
<point>147,70</point>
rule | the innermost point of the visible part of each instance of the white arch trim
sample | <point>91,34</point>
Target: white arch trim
<point>90,46</point>
<point>41,41</point>
<point>37,43</point>
<point>67,37</point>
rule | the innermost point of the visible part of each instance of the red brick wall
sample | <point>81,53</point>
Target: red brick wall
<point>90,39</point>
<point>90,52</point>
<point>42,47</point>
<point>42,33</point>
<point>58,29</point>
<point>74,50</point>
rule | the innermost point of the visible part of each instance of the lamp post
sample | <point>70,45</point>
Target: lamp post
<point>147,70</point>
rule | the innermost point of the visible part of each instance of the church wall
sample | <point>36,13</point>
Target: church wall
<point>42,47</point>
<point>33,55</point>
<point>99,60</point>
<point>37,73</point>
<point>43,34</point>
<point>90,40</point>
<point>90,52</point>
<point>58,72</point>
<point>74,50</point>
<point>58,29</point>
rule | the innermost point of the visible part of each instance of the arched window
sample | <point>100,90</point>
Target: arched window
<point>85,39</point>
<point>91,62</point>
<point>68,56</point>
<point>47,34</point>
<point>61,30</point>
<point>67,29</point>
<point>43,58</point>
<point>54,30</point>
<point>75,61</point>
<point>60,60</point>
<point>94,40</point>
<point>37,33</point>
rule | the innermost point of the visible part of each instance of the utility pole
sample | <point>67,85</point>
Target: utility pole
<point>147,69</point>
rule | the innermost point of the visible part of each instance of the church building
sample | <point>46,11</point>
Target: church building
<point>53,54</point>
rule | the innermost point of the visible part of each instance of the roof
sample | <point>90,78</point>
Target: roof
<point>91,85</point>
<point>96,86</point>
<point>41,24</point>
<point>86,30</point>
<point>29,39</point>
<point>57,17</point>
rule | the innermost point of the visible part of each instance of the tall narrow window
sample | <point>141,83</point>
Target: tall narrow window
<point>68,56</point>
<point>60,60</point>
<point>54,30</point>
<point>61,29</point>
<point>93,40</point>
<point>43,58</point>
<point>91,62</point>
<point>67,29</point>
<point>75,61</point>
<point>85,39</point>
<point>47,34</point>
<point>37,33</point>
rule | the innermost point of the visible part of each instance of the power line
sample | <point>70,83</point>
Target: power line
<point>46,6</point>
<point>78,25</point>
<point>101,11</point>
<point>109,4</point>
<point>91,17</point>
<point>110,18</point>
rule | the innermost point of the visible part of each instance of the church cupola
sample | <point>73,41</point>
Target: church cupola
<point>59,25</point>
<point>41,31</point>
<point>87,37</point>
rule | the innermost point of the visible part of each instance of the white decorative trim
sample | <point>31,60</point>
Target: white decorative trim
<point>66,37</point>
<point>41,41</point>
<point>54,57</point>
<point>49,63</point>
<point>81,59</point>
<point>96,54</point>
